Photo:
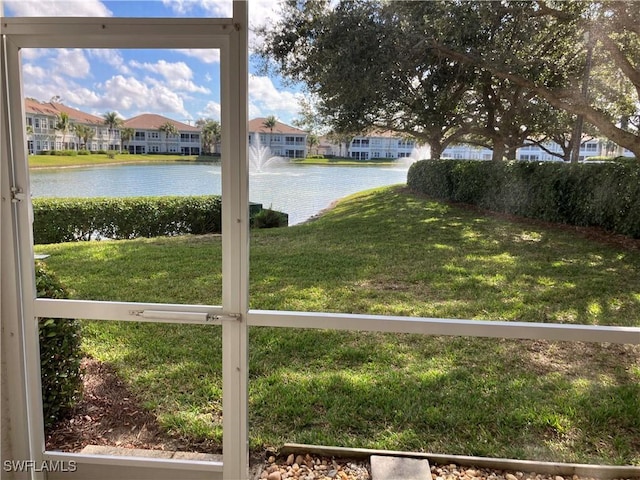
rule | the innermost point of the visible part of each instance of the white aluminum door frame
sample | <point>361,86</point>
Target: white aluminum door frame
<point>18,302</point>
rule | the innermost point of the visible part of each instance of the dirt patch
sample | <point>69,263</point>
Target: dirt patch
<point>110,414</point>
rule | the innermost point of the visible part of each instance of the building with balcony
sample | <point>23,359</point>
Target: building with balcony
<point>283,140</point>
<point>149,136</point>
<point>42,136</point>
<point>380,145</point>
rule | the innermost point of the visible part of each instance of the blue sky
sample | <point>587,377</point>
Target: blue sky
<point>180,84</point>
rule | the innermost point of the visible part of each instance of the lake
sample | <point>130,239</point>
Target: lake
<point>298,190</point>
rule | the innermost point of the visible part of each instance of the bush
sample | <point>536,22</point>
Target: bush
<point>64,153</point>
<point>605,194</point>
<point>83,152</point>
<point>74,219</point>
<point>267,218</point>
<point>59,353</point>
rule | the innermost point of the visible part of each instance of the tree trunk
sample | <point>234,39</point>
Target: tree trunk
<point>511,153</point>
<point>498,151</point>
<point>436,149</point>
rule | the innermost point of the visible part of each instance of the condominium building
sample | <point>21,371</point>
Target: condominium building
<point>380,145</point>
<point>596,147</point>
<point>42,135</point>
<point>283,140</point>
<point>152,136</point>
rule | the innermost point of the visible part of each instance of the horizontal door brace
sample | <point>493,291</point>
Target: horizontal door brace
<point>170,316</point>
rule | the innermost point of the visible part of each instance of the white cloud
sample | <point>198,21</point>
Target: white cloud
<point>111,57</point>
<point>177,75</point>
<point>33,53</point>
<point>213,8</point>
<point>267,100</point>
<point>44,85</point>
<point>57,8</point>
<point>32,72</point>
<point>208,55</point>
<point>127,94</point>
<point>72,63</point>
<point>168,70</point>
<point>211,110</point>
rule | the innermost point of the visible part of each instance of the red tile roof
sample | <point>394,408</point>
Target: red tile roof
<point>151,121</point>
<point>54,109</point>
<point>257,125</point>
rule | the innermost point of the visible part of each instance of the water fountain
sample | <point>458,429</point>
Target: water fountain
<point>260,155</point>
<point>419,152</point>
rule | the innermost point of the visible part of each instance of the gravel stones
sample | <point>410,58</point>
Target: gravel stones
<point>306,467</point>
<point>312,467</point>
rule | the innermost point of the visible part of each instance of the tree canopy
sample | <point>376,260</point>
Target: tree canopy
<point>501,74</point>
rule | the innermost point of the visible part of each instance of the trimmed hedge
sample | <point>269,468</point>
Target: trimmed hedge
<point>75,219</point>
<point>605,195</point>
<point>60,353</point>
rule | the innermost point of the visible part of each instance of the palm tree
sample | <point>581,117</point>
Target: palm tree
<point>126,135</point>
<point>313,141</point>
<point>84,133</point>
<point>169,129</point>
<point>210,131</point>
<point>63,124</point>
<point>270,122</point>
<point>113,122</point>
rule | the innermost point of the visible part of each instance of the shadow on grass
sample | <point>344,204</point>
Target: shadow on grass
<point>387,252</point>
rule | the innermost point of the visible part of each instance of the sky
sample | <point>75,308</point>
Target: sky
<point>180,84</point>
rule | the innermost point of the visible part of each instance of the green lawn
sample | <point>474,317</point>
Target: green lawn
<point>52,161</point>
<point>386,252</point>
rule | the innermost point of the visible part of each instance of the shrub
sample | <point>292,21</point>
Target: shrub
<point>64,153</point>
<point>73,219</point>
<point>603,194</point>
<point>59,353</point>
<point>267,218</point>
<point>83,152</point>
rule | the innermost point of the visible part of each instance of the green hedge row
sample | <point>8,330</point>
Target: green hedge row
<point>73,219</point>
<point>606,195</point>
<point>60,353</point>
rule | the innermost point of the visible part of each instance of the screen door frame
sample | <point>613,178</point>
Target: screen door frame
<point>21,308</point>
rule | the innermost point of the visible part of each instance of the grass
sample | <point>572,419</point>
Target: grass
<point>388,252</point>
<point>53,161</point>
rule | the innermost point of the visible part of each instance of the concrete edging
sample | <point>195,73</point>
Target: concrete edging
<point>555,468</point>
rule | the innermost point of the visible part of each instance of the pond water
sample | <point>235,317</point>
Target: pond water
<point>299,190</point>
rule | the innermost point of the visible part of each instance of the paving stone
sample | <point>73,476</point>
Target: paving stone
<point>399,468</point>
<point>201,457</point>
<point>125,452</point>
